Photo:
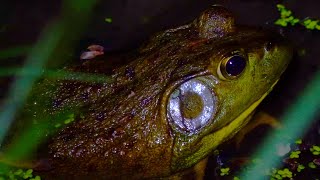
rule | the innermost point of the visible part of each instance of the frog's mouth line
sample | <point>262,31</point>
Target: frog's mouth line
<point>238,122</point>
<point>211,141</point>
<point>247,112</point>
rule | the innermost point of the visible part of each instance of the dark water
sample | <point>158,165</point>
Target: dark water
<point>134,21</point>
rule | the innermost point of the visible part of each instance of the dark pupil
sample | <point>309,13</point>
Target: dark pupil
<point>235,65</point>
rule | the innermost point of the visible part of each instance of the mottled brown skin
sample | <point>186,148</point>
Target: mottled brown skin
<point>121,128</point>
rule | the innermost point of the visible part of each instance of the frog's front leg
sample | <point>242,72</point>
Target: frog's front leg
<point>260,118</point>
<point>197,172</point>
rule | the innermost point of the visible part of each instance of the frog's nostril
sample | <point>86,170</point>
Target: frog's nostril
<point>269,46</point>
<point>264,76</point>
<point>191,106</point>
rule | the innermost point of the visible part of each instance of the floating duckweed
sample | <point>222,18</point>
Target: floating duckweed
<point>286,18</point>
<point>28,174</point>
<point>300,167</point>
<point>67,121</point>
<point>285,173</point>
<point>82,116</point>
<point>280,174</point>
<point>274,174</point>
<point>108,20</point>
<point>11,176</point>
<point>312,165</point>
<point>70,119</point>
<point>57,125</point>
<point>311,24</point>
<point>292,166</point>
<point>36,178</point>
<point>19,174</point>
<point>298,141</point>
<point>284,11</point>
<point>224,171</point>
<point>281,22</point>
<point>295,154</point>
<point>315,150</point>
<point>236,178</point>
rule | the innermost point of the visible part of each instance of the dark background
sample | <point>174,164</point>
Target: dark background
<point>134,21</point>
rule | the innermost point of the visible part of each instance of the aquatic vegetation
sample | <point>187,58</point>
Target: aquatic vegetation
<point>108,20</point>
<point>224,171</point>
<point>299,141</point>
<point>281,173</point>
<point>295,154</point>
<point>300,162</point>
<point>315,150</point>
<point>287,18</point>
<point>70,118</point>
<point>18,174</point>
<point>300,167</point>
<point>312,165</point>
<point>311,24</point>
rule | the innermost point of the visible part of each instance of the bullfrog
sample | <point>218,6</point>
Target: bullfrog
<point>188,90</point>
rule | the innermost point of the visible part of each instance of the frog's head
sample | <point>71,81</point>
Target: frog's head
<point>191,89</point>
<point>241,65</point>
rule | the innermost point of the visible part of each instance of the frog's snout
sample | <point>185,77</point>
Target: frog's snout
<point>282,55</point>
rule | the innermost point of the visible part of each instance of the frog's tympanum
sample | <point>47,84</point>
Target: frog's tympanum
<point>190,89</point>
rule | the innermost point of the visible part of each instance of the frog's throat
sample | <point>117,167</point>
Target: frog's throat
<point>211,141</point>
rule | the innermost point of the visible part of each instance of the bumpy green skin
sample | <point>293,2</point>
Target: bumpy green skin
<point>123,130</point>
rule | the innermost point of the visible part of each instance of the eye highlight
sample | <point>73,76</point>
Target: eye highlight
<point>232,67</point>
<point>191,106</point>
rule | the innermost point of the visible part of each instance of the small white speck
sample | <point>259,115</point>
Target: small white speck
<point>131,94</point>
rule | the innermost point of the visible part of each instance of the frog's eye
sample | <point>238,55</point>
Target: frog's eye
<point>191,106</point>
<point>232,67</point>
